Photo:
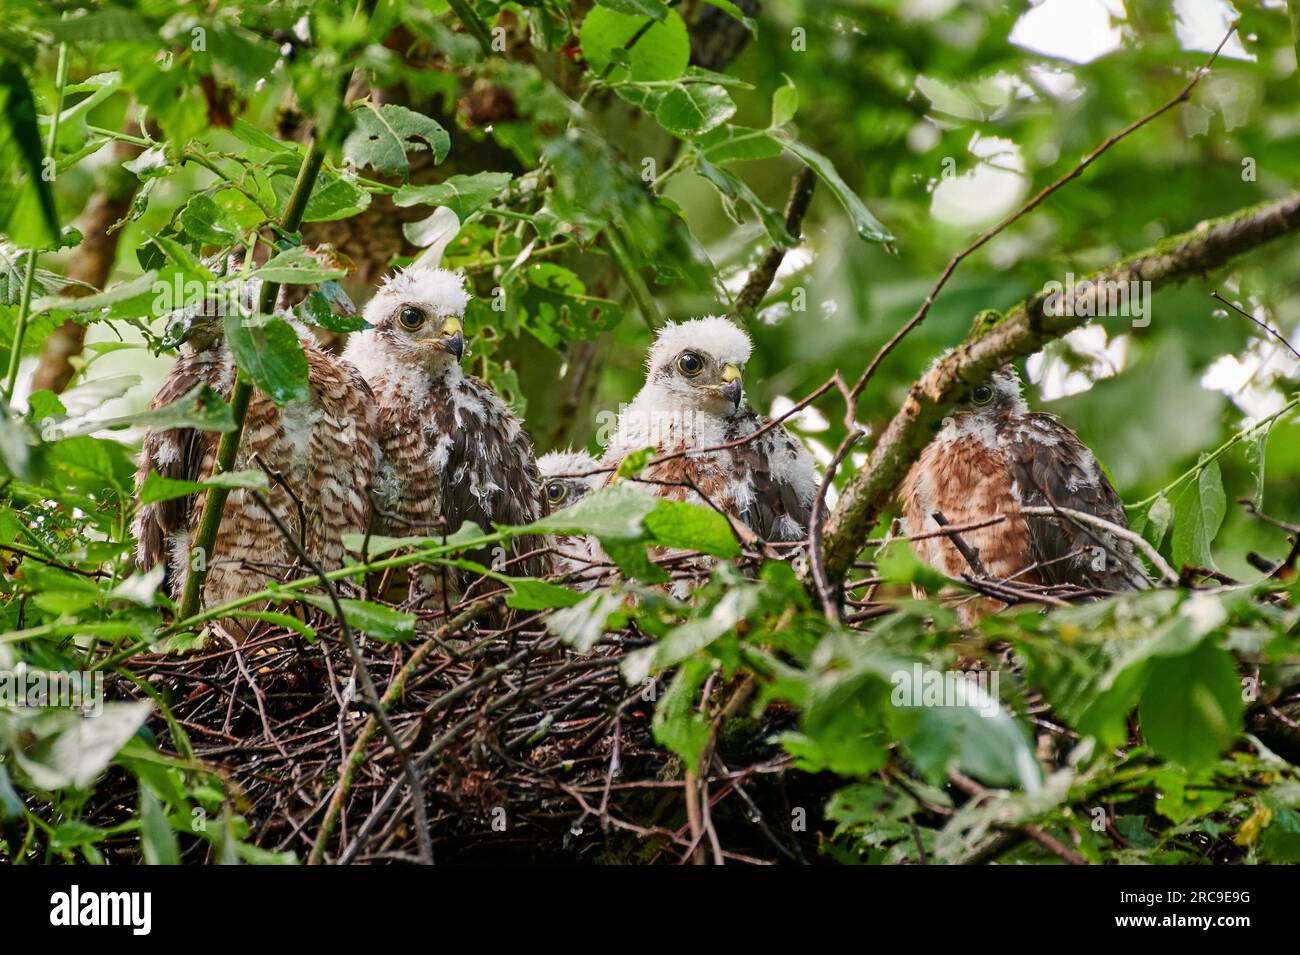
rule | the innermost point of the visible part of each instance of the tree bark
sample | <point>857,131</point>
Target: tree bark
<point>90,268</point>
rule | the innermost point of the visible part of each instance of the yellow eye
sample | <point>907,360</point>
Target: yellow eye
<point>410,317</point>
<point>690,364</point>
<point>556,492</point>
<point>982,395</point>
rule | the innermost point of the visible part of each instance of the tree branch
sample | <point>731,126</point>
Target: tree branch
<point>1023,331</point>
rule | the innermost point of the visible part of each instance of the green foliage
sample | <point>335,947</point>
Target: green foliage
<point>552,174</point>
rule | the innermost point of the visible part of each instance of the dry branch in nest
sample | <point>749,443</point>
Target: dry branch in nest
<point>526,749</point>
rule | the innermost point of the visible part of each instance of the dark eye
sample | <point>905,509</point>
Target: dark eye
<point>410,317</point>
<point>556,492</point>
<point>690,364</point>
<point>982,395</point>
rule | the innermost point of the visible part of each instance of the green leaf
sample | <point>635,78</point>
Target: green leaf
<point>733,10</point>
<point>692,527</point>
<point>158,488</point>
<point>583,624</point>
<point>20,143</point>
<point>785,102</point>
<point>693,636</point>
<point>1256,447</point>
<point>316,310</point>
<point>11,805</point>
<point>732,191</point>
<point>110,25</point>
<point>695,109</point>
<point>1198,513</point>
<point>337,198</point>
<point>204,219</point>
<point>383,135</point>
<point>267,350</point>
<point>655,9</point>
<point>63,748</point>
<point>201,407</point>
<point>678,724</point>
<point>635,462</point>
<point>614,513</point>
<point>464,195</point>
<point>738,144</point>
<point>661,53</point>
<point>297,266</point>
<point>372,619</point>
<point>246,55</point>
<point>1191,707</point>
<point>867,226</point>
<point>156,837</point>
<point>530,594</point>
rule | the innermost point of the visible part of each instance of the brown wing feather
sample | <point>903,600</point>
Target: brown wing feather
<point>780,510</point>
<point>179,453</point>
<point>1052,467</point>
<point>491,474</point>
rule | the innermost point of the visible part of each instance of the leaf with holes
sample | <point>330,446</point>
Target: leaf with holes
<point>383,135</point>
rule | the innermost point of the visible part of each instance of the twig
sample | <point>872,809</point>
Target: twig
<point>764,274</point>
<point>1137,540</point>
<point>971,554</point>
<point>363,677</point>
<point>1241,311</point>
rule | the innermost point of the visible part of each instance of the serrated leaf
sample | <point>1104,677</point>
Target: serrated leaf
<point>297,266</point>
<point>267,350</point>
<point>383,135</point>
<point>464,195</point>
<point>661,53</point>
<point>694,109</point>
<point>338,198</point>
<point>690,526</point>
<point>204,219</point>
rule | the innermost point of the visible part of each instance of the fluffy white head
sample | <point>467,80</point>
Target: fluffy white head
<point>416,314</point>
<point>566,477</point>
<point>717,337</point>
<point>697,366</point>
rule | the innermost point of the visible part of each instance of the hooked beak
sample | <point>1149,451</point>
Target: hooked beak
<point>732,385</point>
<point>453,337</point>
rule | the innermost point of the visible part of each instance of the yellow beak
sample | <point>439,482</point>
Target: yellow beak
<point>451,325</point>
<point>730,373</point>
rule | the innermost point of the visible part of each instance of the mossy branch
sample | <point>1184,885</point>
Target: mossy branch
<point>1025,329</point>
